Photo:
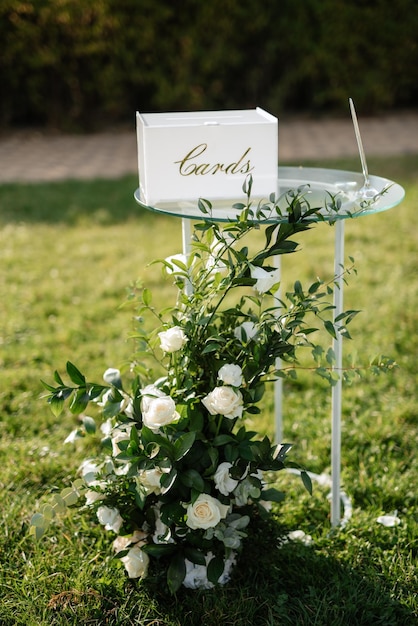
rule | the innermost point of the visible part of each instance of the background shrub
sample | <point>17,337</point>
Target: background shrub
<point>80,64</point>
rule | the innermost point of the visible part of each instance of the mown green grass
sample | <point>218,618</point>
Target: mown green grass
<point>69,253</point>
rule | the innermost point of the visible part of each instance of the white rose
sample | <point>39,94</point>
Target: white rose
<point>112,377</point>
<point>159,411</point>
<point>265,280</point>
<point>223,481</point>
<point>230,374</point>
<point>118,435</point>
<point>224,401</point>
<point>109,518</point>
<point>206,512</point>
<point>122,542</point>
<point>172,339</point>
<point>298,535</point>
<point>149,480</point>
<point>94,496</point>
<point>245,332</point>
<point>149,393</point>
<point>136,562</point>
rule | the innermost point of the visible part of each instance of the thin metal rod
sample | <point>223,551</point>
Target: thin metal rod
<point>337,388</point>
<point>278,384</point>
<point>359,143</point>
<point>186,239</point>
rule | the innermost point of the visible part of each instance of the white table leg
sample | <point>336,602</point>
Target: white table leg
<point>186,233</point>
<point>278,384</point>
<point>337,389</point>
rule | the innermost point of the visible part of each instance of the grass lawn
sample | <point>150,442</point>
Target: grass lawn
<point>69,253</point>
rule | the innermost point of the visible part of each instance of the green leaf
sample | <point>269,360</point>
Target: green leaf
<point>194,555</point>
<point>75,375</point>
<point>306,479</point>
<point>58,379</point>
<point>56,404</point>
<point>330,356</point>
<point>38,526</point>
<point>159,550</point>
<point>146,297</point>
<point>79,402</point>
<point>59,505</point>
<point>167,480</point>
<point>176,573</point>
<point>70,496</point>
<point>215,569</point>
<point>183,444</point>
<point>191,478</point>
<point>329,327</point>
<point>211,346</point>
<point>318,353</point>
<point>272,495</point>
<point>204,205</point>
<point>221,440</point>
<point>89,425</point>
<point>172,513</point>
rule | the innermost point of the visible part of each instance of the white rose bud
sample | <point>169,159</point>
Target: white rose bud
<point>123,542</point>
<point>206,512</point>
<point>173,339</point>
<point>223,481</point>
<point>231,374</point>
<point>118,435</point>
<point>136,562</point>
<point>224,401</point>
<point>109,518</point>
<point>149,480</point>
<point>158,410</point>
<point>112,377</point>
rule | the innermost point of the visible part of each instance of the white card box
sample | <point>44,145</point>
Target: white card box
<point>206,154</point>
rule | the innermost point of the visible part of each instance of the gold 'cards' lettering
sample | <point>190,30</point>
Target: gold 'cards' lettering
<point>190,164</point>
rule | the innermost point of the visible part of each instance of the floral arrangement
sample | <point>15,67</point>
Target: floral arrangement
<point>180,474</point>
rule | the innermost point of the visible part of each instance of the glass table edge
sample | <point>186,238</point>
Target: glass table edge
<point>326,217</point>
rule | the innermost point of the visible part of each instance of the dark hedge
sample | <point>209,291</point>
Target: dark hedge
<point>80,64</point>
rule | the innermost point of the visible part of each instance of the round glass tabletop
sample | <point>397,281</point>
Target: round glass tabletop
<point>319,187</point>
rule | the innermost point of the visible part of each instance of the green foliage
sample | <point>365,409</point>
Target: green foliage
<point>51,307</point>
<point>71,65</point>
<point>179,465</point>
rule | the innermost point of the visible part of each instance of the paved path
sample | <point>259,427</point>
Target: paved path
<point>34,156</point>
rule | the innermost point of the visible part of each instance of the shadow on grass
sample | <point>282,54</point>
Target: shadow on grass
<point>289,585</point>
